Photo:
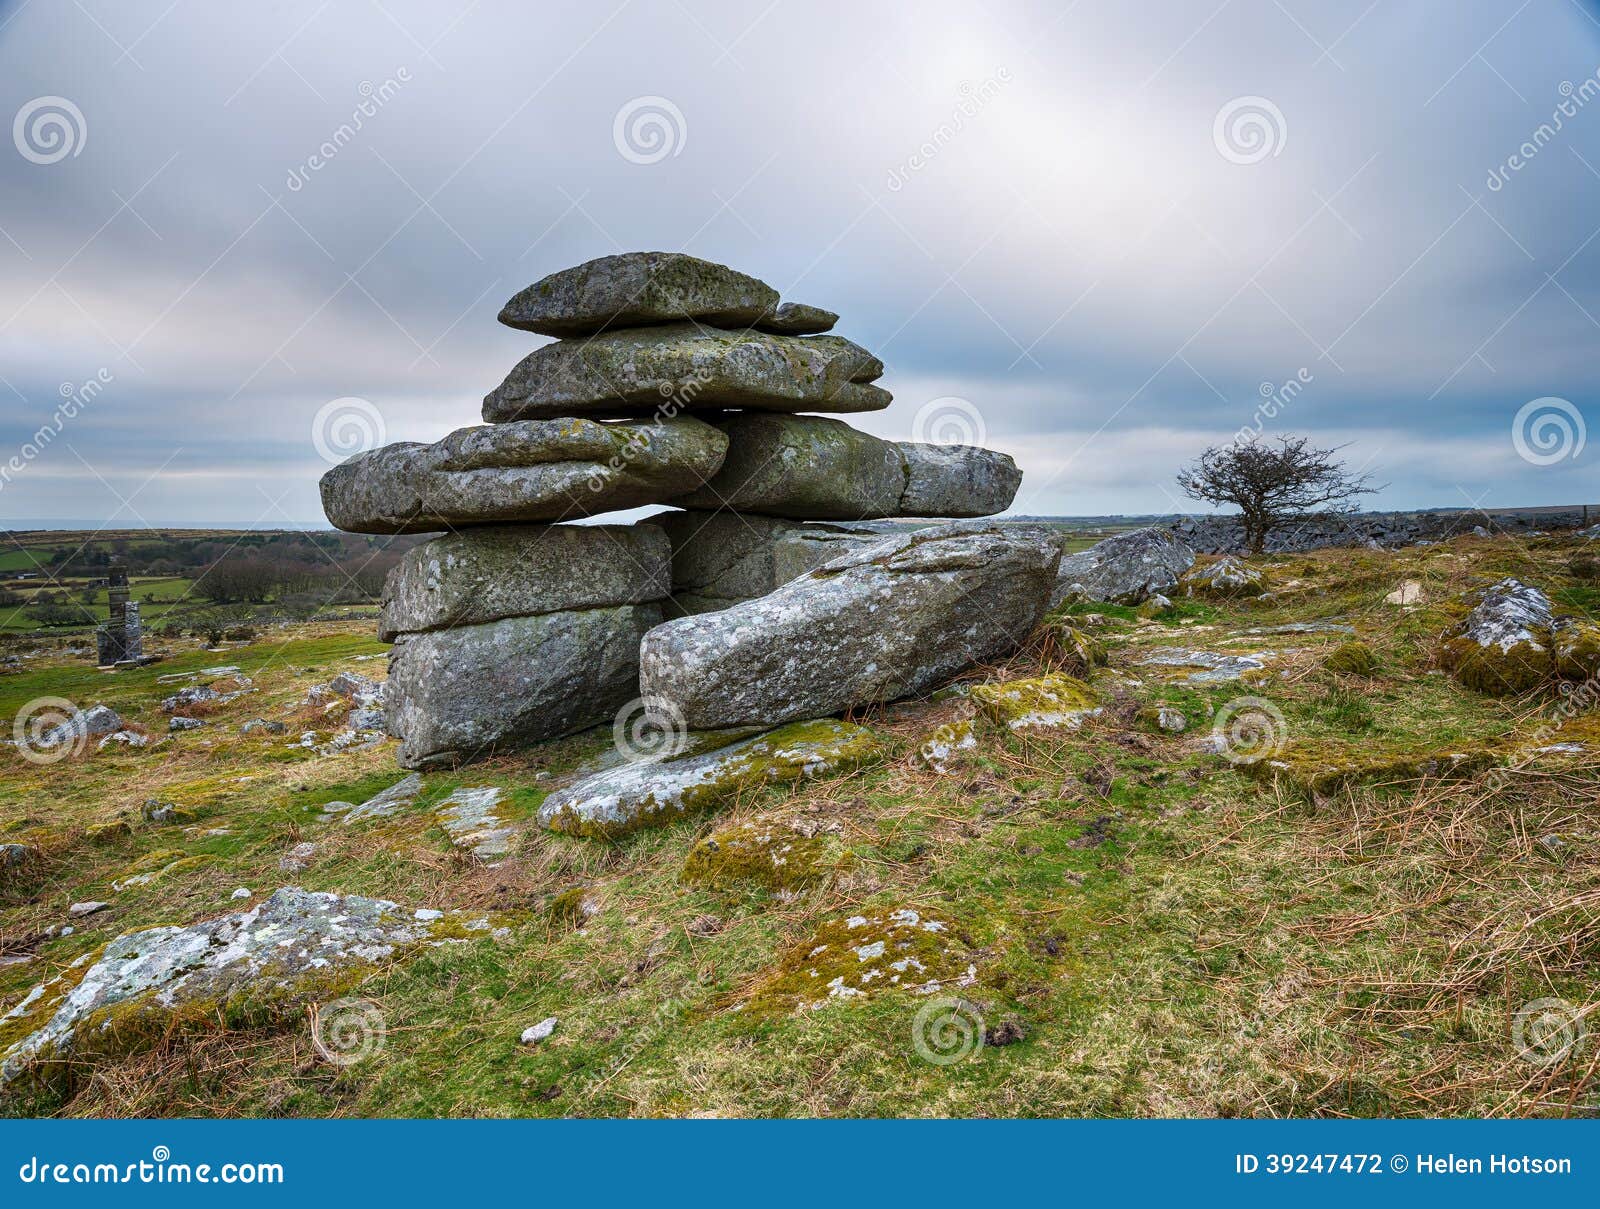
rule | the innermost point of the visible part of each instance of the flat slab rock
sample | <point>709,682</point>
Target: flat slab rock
<point>263,965</point>
<point>491,573</point>
<point>1126,569</point>
<point>688,367</point>
<point>890,620</point>
<point>635,288</point>
<point>536,470</point>
<point>460,694</point>
<point>815,468</point>
<point>386,804</point>
<point>469,818</point>
<point>650,793</point>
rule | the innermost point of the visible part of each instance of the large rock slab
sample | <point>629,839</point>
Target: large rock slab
<point>536,470</point>
<point>636,288</point>
<point>491,573</point>
<point>459,694</point>
<point>815,468</point>
<point>720,558</point>
<point>261,966</point>
<point>649,793</point>
<point>684,367</point>
<point>1125,569</point>
<point>888,621</point>
<point>1504,645</point>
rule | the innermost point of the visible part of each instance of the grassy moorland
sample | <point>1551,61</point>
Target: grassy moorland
<point>1350,927</point>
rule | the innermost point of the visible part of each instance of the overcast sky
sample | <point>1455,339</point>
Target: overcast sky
<point>1108,226</point>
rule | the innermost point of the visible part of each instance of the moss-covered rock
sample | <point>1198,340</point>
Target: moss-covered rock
<point>1503,645</point>
<point>156,866</point>
<point>650,793</point>
<point>1075,651</point>
<point>261,966</point>
<point>867,954</point>
<point>573,907</point>
<point>1321,767</point>
<point>776,853</point>
<point>1045,701</point>
<point>1353,658</point>
<point>942,748</point>
<point>1576,648</point>
<point>1227,578</point>
<point>113,832</point>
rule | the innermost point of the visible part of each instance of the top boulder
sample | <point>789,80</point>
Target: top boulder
<point>636,289</point>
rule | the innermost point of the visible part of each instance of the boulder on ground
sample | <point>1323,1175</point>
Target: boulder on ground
<point>1503,645</point>
<point>636,288</point>
<point>816,468</point>
<point>1227,577</point>
<point>265,965</point>
<point>650,793</point>
<point>83,725</point>
<point>685,367</point>
<point>457,695</point>
<point>1576,648</point>
<point>890,620</point>
<point>535,470</point>
<point>1124,569</point>
<point>1044,702</point>
<point>495,572</point>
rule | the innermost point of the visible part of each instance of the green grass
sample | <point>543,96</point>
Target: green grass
<point>1172,935</point>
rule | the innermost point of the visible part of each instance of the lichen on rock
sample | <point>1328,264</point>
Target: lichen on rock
<point>780,854</point>
<point>1321,767</point>
<point>1503,646</point>
<point>869,953</point>
<point>1226,578</point>
<point>1045,701</point>
<point>655,792</point>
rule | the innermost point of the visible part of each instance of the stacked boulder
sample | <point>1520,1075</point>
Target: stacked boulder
<point>515,627</point>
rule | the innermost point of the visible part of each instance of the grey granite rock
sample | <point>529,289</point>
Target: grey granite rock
<point>798,319</point>
<point>264,965</point>
<point>491,573</point>
<point>459,694</point>
<point>636,288</point>
<point>1125,569</point>
<point>887,621</point>
<point>536,470</point>
<point>816,468</point>
<point>684,367</point>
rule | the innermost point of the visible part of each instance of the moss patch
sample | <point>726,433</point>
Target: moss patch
<point>768,851</point>
<point>1045,701</point>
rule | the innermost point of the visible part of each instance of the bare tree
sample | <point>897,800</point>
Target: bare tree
<point>1272,485</point>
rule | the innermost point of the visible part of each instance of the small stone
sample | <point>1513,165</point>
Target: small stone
<point>427,913</point>
<point>298,858</point>
<point>177,724</point>
<point>538,1032</point>
<point>1044,702</point>
<point>1168,718</point>
<point>86,908</point>
<point>109,833</point>
<point>241,892</point>
<point>264,726</point>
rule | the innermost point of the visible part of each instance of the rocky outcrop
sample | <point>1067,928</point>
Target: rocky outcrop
<point>457,695</point>
<point>1504,645</point>
<point>1225,535</point>
<point>1125,569</point>
<point>261,966</point>
<point>536,470</point>
<point>1226,578</point>
<point>492,573</point>
<point>637,288</point>
<point>688,367</point>
<point>650,793</point>
<point>888,621</point>
<point>815,468</point>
